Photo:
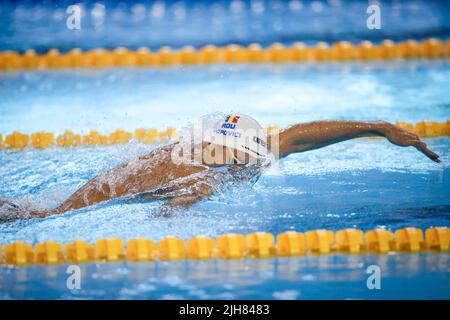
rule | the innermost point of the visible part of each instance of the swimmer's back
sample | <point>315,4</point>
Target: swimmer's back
<point>148,172</point>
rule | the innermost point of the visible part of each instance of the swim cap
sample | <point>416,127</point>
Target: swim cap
<point>240,132</point>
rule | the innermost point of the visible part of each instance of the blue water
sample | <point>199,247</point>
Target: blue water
<point>281,94</point>
<point>362,183</point>
<point>42,25</point>
<point>403,276</point>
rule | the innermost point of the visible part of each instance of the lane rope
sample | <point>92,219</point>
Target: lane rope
<point>42,140</point>
<point>276,53</point>
<point>231,246</point>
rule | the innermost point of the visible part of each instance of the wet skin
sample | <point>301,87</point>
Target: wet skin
<point>157,170</point>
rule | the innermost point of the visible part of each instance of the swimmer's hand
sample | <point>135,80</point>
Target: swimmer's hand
<point>401,137</point>
<point>173,205</point>
<point>11,211</point>
<point>183,192</point>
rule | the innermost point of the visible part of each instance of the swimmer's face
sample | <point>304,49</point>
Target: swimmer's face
<point>216,155</point>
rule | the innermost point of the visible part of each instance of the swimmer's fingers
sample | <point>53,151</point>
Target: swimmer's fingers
<point>422,147</point>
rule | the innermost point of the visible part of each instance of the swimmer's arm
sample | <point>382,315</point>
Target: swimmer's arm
<point>185,191</point>
<point>313,135</point>
<point>173,204</point>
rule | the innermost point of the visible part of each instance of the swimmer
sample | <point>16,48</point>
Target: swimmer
<point>236,148</point>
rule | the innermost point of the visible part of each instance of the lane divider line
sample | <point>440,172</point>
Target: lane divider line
<point>256,245</point>
<point>430,48</point>
<point>43,140</point>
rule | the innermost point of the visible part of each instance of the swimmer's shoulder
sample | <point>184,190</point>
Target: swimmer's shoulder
<point>161,151</point>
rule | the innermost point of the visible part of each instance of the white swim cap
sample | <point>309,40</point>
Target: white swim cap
<point>240,132</point>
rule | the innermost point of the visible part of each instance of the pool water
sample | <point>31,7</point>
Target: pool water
<point>403,276</point>
<point>281,94</point>
<point>363,183</point>
<point>41,25</point>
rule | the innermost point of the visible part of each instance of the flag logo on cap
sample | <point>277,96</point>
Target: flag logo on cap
<point>232,118</point>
